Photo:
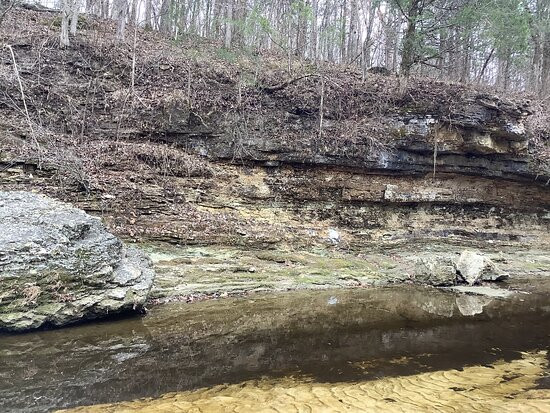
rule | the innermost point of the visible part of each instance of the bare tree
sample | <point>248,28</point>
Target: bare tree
<point>66,13</point>
<point>75,8</point>
<point>429,37</point>
<point>148,14</point>
<point>228,23</point>
<point>120,13</point>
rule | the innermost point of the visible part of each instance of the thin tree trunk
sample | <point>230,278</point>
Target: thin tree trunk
<point>545,72</point>
<point>165,24</point>
<point>148,14</point>
<point>408,58</point>
<point>121,11</point>
<point>104,5</point>
<point>228,24</point>
<point>75,8</point>
<point>485,64</point>
<point>65,16</point>
<point>466,61</point>
<point>343,28</point>
<point>353,29</point>
<point>314,41</point>
<point>133,11</point>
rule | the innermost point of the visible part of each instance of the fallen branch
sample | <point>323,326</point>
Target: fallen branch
<point>38,7</point>
<point>271,89</point>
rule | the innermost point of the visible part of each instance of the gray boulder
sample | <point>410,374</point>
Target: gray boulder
<point>474,267</point>
<point>59,265</point>
<point>435,270</point>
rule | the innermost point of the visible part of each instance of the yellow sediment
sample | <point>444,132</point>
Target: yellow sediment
<point>501,387</point>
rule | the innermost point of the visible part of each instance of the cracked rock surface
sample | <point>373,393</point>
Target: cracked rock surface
<point>59,265</point>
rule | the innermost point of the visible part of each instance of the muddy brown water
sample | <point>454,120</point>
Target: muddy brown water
<point>341,341</point>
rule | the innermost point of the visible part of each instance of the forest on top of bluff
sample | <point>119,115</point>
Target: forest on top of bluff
<point>126,72</point>
<point>501,43</point>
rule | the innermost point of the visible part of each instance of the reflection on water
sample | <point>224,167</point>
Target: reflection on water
<point>340,338</point>
<point>501,386</point>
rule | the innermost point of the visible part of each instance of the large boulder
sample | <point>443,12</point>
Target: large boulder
<point>59,265</point>
<point>471,267</point>
<point>435,270</point>
<point>474,267</point>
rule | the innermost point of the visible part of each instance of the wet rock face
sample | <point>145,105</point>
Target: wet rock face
<point>59,265</point>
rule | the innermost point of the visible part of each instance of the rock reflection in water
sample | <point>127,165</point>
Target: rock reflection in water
<point>184,347</point>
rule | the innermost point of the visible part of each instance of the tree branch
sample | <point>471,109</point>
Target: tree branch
<point>271,89</point>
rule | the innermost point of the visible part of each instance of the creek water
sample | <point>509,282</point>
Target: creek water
<point>341,350</point>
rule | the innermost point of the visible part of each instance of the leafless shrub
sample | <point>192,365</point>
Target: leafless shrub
<point>364,137</point>
<point>164,159</point>
<point>69,169</point>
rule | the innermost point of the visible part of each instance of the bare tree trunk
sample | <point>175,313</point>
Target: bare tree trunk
<point>314,41</point>
<point>104,5</point>
<point>239,19</point>
<point>408,57</point>
<point>466,61</point>
<point>65,16</point>
<point>90,6</point>
<point>451,42</point>
<point>133,11</point>
<point>121,11</point>
<point>74,15</point>
<point>228,24</point>
<point>301,29</point>
<point>193,20</point>
<point>217,18</point>
<point>165,17</point>
<point>289,46</point>
<point>503,73</point>
<point>207,19</point>
<point>148,14</point>
<point>545,72</point>
<point>442,40</point>
<point>353,29</point>
<point>328,49</point>
<point>536,66</point>
<point>390,41</point>
<point>343,28</point>
<point>485,64</point>
<point>367,43</point>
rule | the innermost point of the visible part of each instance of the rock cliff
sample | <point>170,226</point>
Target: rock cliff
<point>228,148</point>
